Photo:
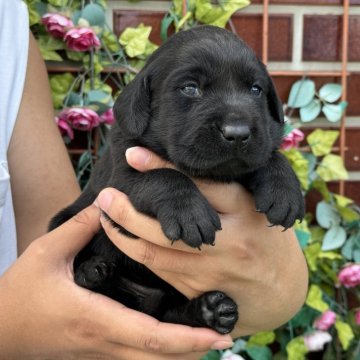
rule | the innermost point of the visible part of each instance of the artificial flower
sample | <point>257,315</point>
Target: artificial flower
<point>64,127</point>
<point>292,139</point>
<point>56,24</point>
<point>81,39</point>
<point>325,321</point>
<point>350,276</point>
<point>316,340</point>
<point>81,118</point>
<point>107,117</point>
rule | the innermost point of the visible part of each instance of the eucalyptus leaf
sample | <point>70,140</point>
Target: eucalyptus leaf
<point>311,111</point>
<point>334,238</point>
<point>330,92</point>
<point>333,112</point>
<point>238,346</point>
<point>326,215</point>
<point>347,249</point>
<point>94,14</point>
<point>301,94</point>
<point>356,255</point>
<point>76,15</point>
<point>98,96</point>
<point>73,99</point>
<point>259,352</point>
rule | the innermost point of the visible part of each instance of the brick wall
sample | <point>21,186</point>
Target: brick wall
<point>304,35</point>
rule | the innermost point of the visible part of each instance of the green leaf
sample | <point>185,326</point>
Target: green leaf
<point>301,94</point>
<point>135,40</point>
<point>94,14</point>
<point>304,317</point>
<point>333,112</point>
<point>60,85</point>
<point>326,215</point>
<point>238,346</point>
<point>167,20</point>
<point>330,92</point>
<point>50,43</point>
<point>296,349</point>
<point>356,255</point>
<point>311,253</point>
<point>345,333</point>
<point>311,111</point>
<point>57,2</point>
<point>110,40</point>
<point>262,338</point>
<point>314,299</point>
<point>50,55</point>
<point>217,15</point>
<point>332,168</point>
<point>322,141</point>
<point>259,352</point>
<point>74,55</point>
<point>300,165</point>
<point>334,238</point>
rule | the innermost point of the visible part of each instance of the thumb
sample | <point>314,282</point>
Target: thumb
<point>69,238</point>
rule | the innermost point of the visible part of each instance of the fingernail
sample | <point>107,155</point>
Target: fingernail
<point>222,344</point>
<point>137,156</point>
<point>104,199</point>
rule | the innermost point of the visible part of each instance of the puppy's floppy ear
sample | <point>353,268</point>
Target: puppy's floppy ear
<point>132,107</point>
<point>274,103</point>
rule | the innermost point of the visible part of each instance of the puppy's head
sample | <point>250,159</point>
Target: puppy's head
<point>205,102</point>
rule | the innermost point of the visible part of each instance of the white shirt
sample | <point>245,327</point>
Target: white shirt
<point>14,43</point>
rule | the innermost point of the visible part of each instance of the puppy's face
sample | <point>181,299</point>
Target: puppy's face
<point>212,107</point>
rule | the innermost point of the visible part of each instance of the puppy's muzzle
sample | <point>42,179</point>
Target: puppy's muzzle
<point>233,132</point>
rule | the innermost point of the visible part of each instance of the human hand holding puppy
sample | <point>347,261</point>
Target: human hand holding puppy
<point>250,261</point>
<point>44,314</point>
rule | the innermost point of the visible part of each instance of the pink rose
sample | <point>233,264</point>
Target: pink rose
<point>350,276</point>
<point>81,39</point>
<point>326,320</point>
<point>316,340</point>
<point>81,118</point>
<point>357,317</point>
<point>56,24</point>
<point>107,117</point>
<point>64,127</point>
<point>292,139</point>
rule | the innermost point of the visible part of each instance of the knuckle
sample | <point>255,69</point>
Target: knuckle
<point>147,255</point>
<point>82,218</point>
<point>151,343</point>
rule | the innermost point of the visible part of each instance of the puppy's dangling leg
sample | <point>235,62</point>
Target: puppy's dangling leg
<point>212,309</point>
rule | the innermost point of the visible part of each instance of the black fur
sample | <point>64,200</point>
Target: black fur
<point>194,104</point>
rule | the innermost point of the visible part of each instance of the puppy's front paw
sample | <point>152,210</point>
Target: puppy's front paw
<point>191,219</point>
<point>218,311</point>
<point>282,203</point>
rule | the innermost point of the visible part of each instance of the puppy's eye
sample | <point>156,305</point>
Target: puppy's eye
<point>256,90</point>
<point>190,90</point>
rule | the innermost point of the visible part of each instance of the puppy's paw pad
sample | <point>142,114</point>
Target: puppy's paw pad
<point>92,273</point>
<point>219,312</point>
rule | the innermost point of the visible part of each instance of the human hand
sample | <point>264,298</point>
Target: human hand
<point>44,314</point>
<point>260,267</point>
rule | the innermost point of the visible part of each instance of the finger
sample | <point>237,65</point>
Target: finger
<point>118,207</point>
<point>148,334</point>
<point>152,256</point>
<point>143,159</point>
<point>226,198</point>
<point>69,238</point>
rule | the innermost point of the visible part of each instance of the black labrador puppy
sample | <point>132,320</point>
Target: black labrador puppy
<point>205,103</point>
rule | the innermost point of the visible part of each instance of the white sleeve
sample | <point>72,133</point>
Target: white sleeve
<point>14,44</point>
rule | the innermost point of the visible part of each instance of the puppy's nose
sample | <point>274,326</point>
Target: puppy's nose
<point>236,132</point>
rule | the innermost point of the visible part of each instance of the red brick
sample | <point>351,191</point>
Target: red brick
<point>249,27</point>
<point>323,38</point>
